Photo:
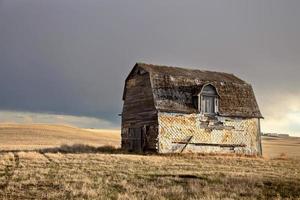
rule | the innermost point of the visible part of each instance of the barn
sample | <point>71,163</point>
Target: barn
<point>174,110</point>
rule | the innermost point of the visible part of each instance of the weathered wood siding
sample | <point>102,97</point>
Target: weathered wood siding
<point>159,105</point>
<point>218,135</point>
<point>139,110</point>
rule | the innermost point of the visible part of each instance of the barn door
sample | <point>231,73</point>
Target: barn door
<point>135,139</point>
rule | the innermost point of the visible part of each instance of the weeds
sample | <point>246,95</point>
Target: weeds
<point>82,148</point>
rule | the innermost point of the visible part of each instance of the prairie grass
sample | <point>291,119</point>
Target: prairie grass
<point>82,148</point>
<point>60,162</point>
<point>126,176</point>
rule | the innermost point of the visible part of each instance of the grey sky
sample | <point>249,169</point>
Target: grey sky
<point>72,56</point>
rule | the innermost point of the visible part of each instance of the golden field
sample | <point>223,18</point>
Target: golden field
<point>37,136</point>
<point>81,169</point>
<point>274,147</point>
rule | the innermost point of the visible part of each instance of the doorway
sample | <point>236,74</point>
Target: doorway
<point>135,139</point>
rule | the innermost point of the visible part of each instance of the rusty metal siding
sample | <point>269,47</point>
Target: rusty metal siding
<point>217,135</point>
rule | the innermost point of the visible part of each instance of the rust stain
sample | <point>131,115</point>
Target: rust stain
<point>227,136</point>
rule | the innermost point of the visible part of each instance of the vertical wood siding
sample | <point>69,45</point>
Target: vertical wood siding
<point>139,111</point>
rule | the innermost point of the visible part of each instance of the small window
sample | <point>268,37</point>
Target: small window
<point>209,100</point>
<point>209,104</point>
<point>209,90</point>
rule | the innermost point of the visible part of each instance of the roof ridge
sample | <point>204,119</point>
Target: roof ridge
<point>180,67</point>
<point>157,66</point>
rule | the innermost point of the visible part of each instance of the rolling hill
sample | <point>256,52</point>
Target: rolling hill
<point>37,136</point>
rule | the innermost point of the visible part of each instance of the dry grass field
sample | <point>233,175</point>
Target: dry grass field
<point>33,175</point>
<point>37,136</point>
<point>91,172</point>
<point>274,147</point>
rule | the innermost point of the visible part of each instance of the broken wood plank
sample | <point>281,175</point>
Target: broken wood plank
<point>210,144</point>
<point>186,143</point>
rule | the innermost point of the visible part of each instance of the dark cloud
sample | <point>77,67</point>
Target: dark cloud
<point>72,56</point>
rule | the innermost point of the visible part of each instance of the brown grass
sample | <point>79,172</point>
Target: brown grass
<point>81,148</point>
<point>123,176</point>
<point>87,167</point>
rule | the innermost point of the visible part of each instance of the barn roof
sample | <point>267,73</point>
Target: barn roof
<point>174,87</point>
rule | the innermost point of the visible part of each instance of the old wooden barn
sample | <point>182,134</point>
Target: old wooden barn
<point>171,109</point>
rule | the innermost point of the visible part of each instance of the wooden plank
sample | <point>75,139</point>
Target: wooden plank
<point>186,143</point>
<point>210,144</point>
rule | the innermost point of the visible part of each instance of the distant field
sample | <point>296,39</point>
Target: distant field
<point>89,171</point>
<point>36,136</point>
<point>274,147</point>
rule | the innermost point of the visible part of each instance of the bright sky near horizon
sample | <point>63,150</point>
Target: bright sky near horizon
<point>65,61</point>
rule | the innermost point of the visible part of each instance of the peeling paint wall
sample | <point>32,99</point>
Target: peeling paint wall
<point>217,134</point>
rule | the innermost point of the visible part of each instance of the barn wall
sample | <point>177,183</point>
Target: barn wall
<point>139,111</point>
<point>220,135</point>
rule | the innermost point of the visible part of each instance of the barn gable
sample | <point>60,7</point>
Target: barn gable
<point>138,99</point>
<point>139,115</point>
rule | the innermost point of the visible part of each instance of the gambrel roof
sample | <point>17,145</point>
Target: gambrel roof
<point>174,87</point>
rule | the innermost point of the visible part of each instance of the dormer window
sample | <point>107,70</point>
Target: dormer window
<point>207,100</point>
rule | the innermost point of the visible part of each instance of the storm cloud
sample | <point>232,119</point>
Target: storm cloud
<point>71,57</point>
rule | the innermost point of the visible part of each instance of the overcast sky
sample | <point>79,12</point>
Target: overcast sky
<point>70,57</point>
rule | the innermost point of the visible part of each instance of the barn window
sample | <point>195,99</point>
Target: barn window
<point>209,100</point>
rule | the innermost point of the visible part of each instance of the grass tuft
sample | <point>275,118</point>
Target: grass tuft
<point>82,148</point>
